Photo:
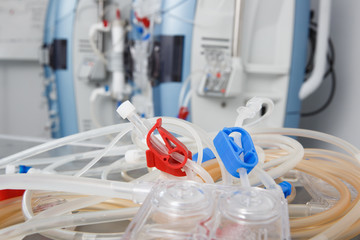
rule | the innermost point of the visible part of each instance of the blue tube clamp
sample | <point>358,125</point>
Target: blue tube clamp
<point>230,152</point>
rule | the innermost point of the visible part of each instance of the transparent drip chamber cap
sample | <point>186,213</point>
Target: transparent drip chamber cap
<point>251,213</point>
<point>188,210</point>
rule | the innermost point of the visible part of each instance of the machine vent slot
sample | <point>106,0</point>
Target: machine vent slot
<point>214,46</point>
<point>84,46</point>
<point>215,39</point>
<point>214,43</point>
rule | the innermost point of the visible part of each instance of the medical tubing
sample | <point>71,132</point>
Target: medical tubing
<point>342,172</point>
<point>60,161</point>
<point>44,224</point>
<point>348,160</point>
<point>349,148</point>
<point>200,171</point>
<point>244,177</point>
<point>291,153</point>
<point>149,177</point>
<point>190,129</point>
<point>103,153</point>
<point>125,176</point>
<point>92,33</point>
<point>184,86</point>
<point>336,210</point>
<point>63,141</point>
<point>10,212</point>
<point>351,216</point>
<point>193,134</point>
<point>74,235</point>
<point>187,99</point>
<point>87,186</point>
<point>265,178</point>
<point>15,218</point>
<point>307,233</point>
<point>98,170</point>
<point>285,166</point>
<point>304,210</point>
<point>353,231</point>
<point>64,233</point>
<point>70,206</point>
<point>346,174</point>
<point>208,142</point>
<point>93,97</point>
<point>110,167</point>
<point>292,196</point>
<point>121,166</point>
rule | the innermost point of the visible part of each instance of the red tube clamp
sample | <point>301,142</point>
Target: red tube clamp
<point>164,161</point>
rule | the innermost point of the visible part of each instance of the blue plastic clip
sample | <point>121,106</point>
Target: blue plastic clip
<point>229,151</point>
<point>23,169</point>
<point>207,155</point>
<point>286,188</point>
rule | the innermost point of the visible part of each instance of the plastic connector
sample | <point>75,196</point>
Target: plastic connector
<point>183,113</point>
<point>233,155</point>
<point>144,20</point>
<point>207,155</point>
<point>24,169</point>
<point>10,169</point>
<point>134,156</point>
<point>286,188</point>
<point>126,109</point>
<point>166,161</point>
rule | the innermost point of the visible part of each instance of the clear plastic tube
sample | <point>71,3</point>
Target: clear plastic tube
<point>44,224</point>
<point>193,134</point>
<point>265,178</point>
<point>208,142</point>
<point>244,177</point>
<point>60,161</point>
<point>290,161</point>
<point>121,166</point>
<point>63,141</point>
<point>109,168</point>
<point>304,210</point>
<point>103,153</point>
<point>149,177</point>
<point>87,186</point>
<point>315,135</point>
<point>352,216</point>
<point>65,233</point>
<point>185,85</point>
<point>199,170</point>
<point>337,209</point>
<point>347,174</point>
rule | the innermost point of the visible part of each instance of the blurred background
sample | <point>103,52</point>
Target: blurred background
<point>66,65</point>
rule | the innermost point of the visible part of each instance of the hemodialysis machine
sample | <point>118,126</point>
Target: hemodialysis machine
<point>131,73</point>
<point>199,60</point>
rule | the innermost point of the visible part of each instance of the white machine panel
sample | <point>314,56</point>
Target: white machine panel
<point>21,28</point>
<point>266,44</point>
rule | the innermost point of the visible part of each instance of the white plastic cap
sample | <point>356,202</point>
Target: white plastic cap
<point>125,109</point>
<point>10,169</point>
<point>134,156</point>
